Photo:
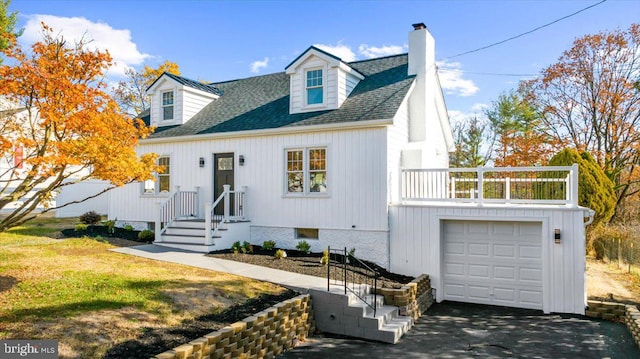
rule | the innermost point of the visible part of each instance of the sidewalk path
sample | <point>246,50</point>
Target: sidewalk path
<point>298,282</point>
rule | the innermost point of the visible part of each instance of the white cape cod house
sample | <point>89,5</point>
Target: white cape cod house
<point>355,155</point>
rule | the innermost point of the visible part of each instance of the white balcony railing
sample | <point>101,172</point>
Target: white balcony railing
<point>523,185</point>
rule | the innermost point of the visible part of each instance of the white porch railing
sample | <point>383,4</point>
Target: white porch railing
<point>179,204</point>
<point>233,210</point>
<point>556,185</point>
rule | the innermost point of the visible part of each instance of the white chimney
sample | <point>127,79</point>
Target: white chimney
<point>422,99</point>
<point>422,50</point>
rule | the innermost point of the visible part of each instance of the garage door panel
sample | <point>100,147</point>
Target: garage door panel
<point>501,272</point>
<point>454,269</point>
<point>479,271</point>
<point>454,248</point>
<point>531,297</point>
<point>478,292</point>
<point>477,228</point>
<point>531,274</point>
<point>455,291</point>
<point>504,250</point>
<point>504,294</point>
<point>478,249</point>
<point>493,263</point>
<point>501,228</point>
<point>530,252</point>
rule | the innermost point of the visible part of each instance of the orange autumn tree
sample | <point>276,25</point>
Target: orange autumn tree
<point>590,100</point>
<point>131,94</point>
<point>60,127</point>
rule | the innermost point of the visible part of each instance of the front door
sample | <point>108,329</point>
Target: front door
<point>222,174</point>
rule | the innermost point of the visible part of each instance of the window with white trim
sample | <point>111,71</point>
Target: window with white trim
<point>162,181</point>
<point>306,170</point>
<point>315,89</point>
<point>167,105</point>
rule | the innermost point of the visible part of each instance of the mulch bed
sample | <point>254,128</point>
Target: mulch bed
<point>157,340</point>
<point>309,264</point>
<point>119,237</point>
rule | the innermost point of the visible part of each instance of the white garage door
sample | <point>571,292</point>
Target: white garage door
<point>498,263</point>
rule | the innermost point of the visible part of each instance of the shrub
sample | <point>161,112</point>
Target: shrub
<point>128,228</point>
<point>111,224</point>
<point>280,254</point>
<point>595,189</point>
<point>268,245</point>
<point>80,227</point>
<point>146,235</point>
<point>247,247</point>
<point>90,217</point>
<point>325,258</point>
<point>236,247</point>
<point>303,247</point>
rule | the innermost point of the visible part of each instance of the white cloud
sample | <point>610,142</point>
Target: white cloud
<point>451,74</point>
<point>118,42</point>
<point>457,116</point>
<point>344,52</point>
<point>257,65</point>
<point>479,107</point>
<point>371,52</point>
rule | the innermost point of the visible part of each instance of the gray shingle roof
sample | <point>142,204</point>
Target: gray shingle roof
<point>191,83</point>
<point>262,102</point>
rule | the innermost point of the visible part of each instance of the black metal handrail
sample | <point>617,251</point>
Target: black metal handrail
<point>346,266</point>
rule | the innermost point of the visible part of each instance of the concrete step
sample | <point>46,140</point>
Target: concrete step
<point>346,314</point>
<point>184,238</point>
<point>190,247</point>
<point>185,231</point>
<point>190,223</point>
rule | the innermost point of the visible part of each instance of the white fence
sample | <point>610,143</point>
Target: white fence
<point>526,185</point>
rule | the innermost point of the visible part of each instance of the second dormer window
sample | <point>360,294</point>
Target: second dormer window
<point>314,87</point>
<point>167,105</point>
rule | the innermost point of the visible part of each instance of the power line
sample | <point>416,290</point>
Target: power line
<point>485,73</point>
<point>524,33</point>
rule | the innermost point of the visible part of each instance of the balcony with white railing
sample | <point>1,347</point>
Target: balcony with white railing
<point>557,185</point>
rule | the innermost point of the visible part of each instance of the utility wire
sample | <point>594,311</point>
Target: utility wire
<point>524,33</point>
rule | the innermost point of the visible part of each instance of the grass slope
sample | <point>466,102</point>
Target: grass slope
<point>89,298</point>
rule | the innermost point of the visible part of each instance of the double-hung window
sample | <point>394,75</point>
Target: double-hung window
<point>167,105</point>
<point>162,182</point>
<point>306,170</point>
<point>315,92</point>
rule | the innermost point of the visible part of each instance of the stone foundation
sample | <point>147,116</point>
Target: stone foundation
<point>264,335</point>
<point>412,299</point>
<point>616,311</point>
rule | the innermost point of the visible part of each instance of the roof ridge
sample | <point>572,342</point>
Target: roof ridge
<point>377,58</point>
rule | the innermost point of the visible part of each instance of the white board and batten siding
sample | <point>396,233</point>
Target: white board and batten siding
<point>431,239</point>
<point>356,198</point>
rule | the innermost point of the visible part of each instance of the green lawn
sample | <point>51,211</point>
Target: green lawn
<point>50,288</point>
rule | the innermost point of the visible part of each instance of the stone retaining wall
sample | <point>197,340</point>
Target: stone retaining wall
<point>412,299</point>
<point>617,311</point>
<point>263,335</point>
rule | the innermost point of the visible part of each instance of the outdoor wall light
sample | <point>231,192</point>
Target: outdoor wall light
<point>241,160</point>
<point>201,162</point>
<point>556,235</point>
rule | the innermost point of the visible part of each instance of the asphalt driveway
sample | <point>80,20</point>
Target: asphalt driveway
<point>459,330</point>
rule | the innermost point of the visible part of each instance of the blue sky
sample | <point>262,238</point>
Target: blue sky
<point>224,40</point>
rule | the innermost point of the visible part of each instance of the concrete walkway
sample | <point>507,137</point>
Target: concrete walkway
<point>298,282</point>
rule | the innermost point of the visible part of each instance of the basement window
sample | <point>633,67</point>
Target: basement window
<point>306,233</point>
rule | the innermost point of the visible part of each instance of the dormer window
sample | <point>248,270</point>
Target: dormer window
<point>315,90</point>
<point>167,105</point>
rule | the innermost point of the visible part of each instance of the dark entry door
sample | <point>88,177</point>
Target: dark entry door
<point>222,174</point>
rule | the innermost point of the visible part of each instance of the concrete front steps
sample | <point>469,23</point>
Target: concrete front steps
<point>189,234</point>
<point>345,314</point>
